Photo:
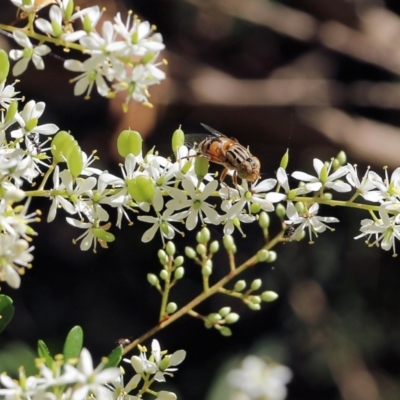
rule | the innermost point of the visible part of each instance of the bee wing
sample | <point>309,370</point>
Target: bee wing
<point>212,130</point>
<point>193,139</point>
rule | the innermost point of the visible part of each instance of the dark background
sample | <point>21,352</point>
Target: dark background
<point>315,76</point>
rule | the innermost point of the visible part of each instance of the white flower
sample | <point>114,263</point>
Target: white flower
<point>386,230</point>
<point>162,222</point>
<point>197,203</point>
<point>28,119</point>
<point>23,388</point>
<point>161,363</point>
<point>365,188</point>
<point>91,380</point>
<point>14,254</point>
<point>323,178</point>
<point>121,391</point>
<point>234,221</point>
<point>308,220</point>
<point>257,379</point>
<point>29,53</point>
<point>53,28</point>
<point>7,94</point>
<point>388,190</point>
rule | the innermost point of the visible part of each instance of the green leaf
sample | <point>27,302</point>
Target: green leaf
<point>73,343</point>
<point>114,358</point>
<point>44,353</point>
<point>6,311</point>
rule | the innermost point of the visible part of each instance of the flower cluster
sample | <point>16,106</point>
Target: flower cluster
<point>122,55</point>
<point>78,379</point>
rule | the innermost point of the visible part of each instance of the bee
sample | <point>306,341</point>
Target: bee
<point>123,342</point>
<point>228,152</point>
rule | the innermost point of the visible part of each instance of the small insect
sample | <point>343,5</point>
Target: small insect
<point>123,342</point>
<point>289,232</point>
<point>228,152</point>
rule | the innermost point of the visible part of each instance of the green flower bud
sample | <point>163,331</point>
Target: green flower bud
<point>179,272</point>
<point>335,164</point>
<point>272,256</point>
<point>171,308</point>
<point>201,165</point>
<point>225,331</point>
<point>280,210</point>
<point>201,249</point>
<point>292,194</point>
<point>206,271</point>
<point>208,324</point>
<point>152,279</point>
<point>11,110</point>
<point>103,235</point>
<point>129,142</point>
<point>69,9</point>
<point>300,207</point>
<point>162,255</point>
<point>190,252</point>
<point>224,311</point>
<point>232,318</point>
<point>204,235</point>
<point>164,274</point>
<point>262,255</point>
<point>255,208</point>
<point>256,284</point>
<point>178,140</point>
<point>268,296</point>
<point>263,220</point>
<point>323,176</point>
<point>57,30</point>
<point>254,307</point>
<point>170,248</point>
<point>285,160</point>
<point>328,196</point>
<point>228,242</point>
<point>208,264</point>
<point>214,247</point>
<point>179,261</point>
<point>164,363</point>
<point>141,189</point>
<point>214,318</point>
<point>4,65</point>
<point>239,286</point>
<point>255,299</point>
<point>341,157</point>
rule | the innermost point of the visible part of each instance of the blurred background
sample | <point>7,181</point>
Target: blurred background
<point>315,76</point>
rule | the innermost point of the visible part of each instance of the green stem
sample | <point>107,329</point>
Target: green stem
<point>202,296</point>
<point>165,292</point>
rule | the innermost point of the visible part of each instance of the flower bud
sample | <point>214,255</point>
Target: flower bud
<point>285,160</point>
<point>231,318</point>
<point>262,255</point>
<point>170,248</point>
<point>255,299</point>
<point>201,165</point>
<point>178,261</point>
<point>254,307</point>
<point>60,144</point>
<point>263,220</point>
<point>214,318</point>
<point>224,311</point>
<point>74,159</point>
<point>206,271</point>
<point>162,255</point>
<point>178,140</point>
<point>164,274</point>
<point>152,279</point>
<point>69,9</point>
<point>186,167</point>
<point>342,157</point>
<point>137,364</point>
<point>269,296</point>
<point>239,286</point>
<point>228,242</point>
<point>255,208</point>
<point>129,142</point>
<point>141,189</point>
<point>179,272</point>
<point>201,249</point>
<point>4,65</point>
<point>323,175</point>
<point>272,256</point>
<point>335,164</point>
<point>280,210</point>
<point>225,331</point>
<point>256,284</point>
<point>190,252</point>
<point>203,236</point>
<point>300,207</point>
<point>327,196</point>
<point>171,308</point>
<point>214,247</point>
